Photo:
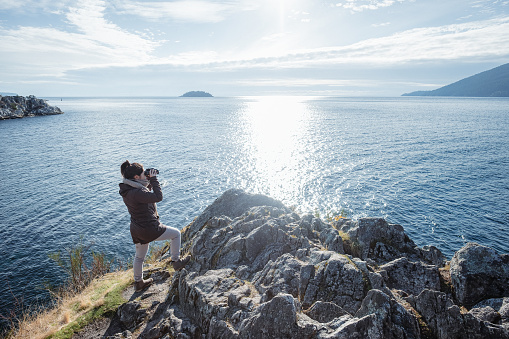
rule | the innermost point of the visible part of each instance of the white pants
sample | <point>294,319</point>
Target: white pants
<point>171,234</point>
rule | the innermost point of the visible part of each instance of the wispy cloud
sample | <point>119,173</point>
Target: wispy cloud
<point>489,6</point>
<point>89,19</point>
<point>301,82</point>
<point>381,24</point>
<point>361,5</point>
<point>94,42</point>
<point>481,39</point>
<point>183,10</point>
<point>33,5</point>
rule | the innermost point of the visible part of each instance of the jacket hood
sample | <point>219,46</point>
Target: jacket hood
<point>124,189</point>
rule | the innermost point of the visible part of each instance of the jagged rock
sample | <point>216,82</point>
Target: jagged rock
<point>260,270</point>
<point>504,311</point>
<point>336,279</point>
<point>411,277</point>
<point>486,313</point>
<point>130,314</point>
<point>392,320</point>
<point>376,239</point>
<point>478,273</point>
<point>432,255</point>
<point>18,107</point>
<point>446,320</point>
<point>231,204</point>
<point>325,312</point>
<point>123,335</point>
<point>276,318</point>
<point>499,305</point>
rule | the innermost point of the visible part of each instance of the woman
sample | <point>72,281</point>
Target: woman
<point>145,225</point>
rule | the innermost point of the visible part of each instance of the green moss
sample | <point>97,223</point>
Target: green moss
<point>111,303</point>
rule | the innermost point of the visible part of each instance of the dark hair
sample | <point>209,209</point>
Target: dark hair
<point>129,170</point>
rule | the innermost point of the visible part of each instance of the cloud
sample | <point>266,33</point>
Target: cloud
<point>95,42</point>
<point>301,82</point>
<point>89,19</point>
<point>183,10</point>
<point>381,24</point>
<point>10,4</point>
<point>33,5</point>
<point>481,39</point>
<point>361,5</point>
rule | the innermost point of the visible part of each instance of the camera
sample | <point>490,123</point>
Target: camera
<point>147,171</point>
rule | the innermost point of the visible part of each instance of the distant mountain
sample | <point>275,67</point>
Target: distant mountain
<point>491,83</point>
<point>196,94</point>
<point>7,94</point>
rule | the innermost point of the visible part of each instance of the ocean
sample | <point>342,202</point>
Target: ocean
<point>437,166</point>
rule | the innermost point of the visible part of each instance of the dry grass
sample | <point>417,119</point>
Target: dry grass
<point>69,309</point>
<point>156,252</point>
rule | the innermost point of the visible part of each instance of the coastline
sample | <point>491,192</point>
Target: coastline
<point>256,262</point>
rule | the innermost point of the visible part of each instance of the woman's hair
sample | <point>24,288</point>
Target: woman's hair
<point>129,170</point>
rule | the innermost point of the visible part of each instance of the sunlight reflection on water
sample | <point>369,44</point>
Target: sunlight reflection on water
<point>274,137</point>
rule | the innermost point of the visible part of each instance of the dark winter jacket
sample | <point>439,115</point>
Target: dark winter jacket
<point>141,204</point>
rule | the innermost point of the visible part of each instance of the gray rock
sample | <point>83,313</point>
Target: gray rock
<point>281,276</point>
<point>325,312</point>
<point>376,239</point>
<point>392,320</point>
<point>232,204</point>
<point>12,107</point>
<point>261,271</point>
<point>411,277</point>
<point>336,279</point>
<point>478,273</point>
<point>276,318</point>
<point>504,313</point>
<point>499,305</point>
<point>130,314</point>
<point>432,255</point>
<point>123,335</point>
<point>486,313</point>
<point>446,320</point>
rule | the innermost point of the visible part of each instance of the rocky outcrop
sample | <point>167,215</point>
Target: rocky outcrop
<point>259,270</point>
<point>12,107</point>
<point>478,273</point>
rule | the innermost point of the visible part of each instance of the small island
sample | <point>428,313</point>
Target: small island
<point>14,107</point>
<point>197,94</point>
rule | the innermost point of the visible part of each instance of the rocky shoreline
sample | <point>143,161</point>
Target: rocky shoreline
<point>15,107</point>
<point>259,270</point>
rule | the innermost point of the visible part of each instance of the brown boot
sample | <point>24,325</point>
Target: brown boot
<point>179,264</point>
<point>142,284</point>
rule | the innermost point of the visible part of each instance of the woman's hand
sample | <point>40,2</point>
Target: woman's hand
<point>153,173</point>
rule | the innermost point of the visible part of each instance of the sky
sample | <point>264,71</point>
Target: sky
<point>61,48</point>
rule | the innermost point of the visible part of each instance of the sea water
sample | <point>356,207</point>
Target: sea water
<point>437,166</point>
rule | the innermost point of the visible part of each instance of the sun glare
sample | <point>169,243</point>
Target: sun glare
<point>275,130</point>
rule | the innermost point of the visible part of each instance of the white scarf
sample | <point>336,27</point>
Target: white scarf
<point>136,183</point>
